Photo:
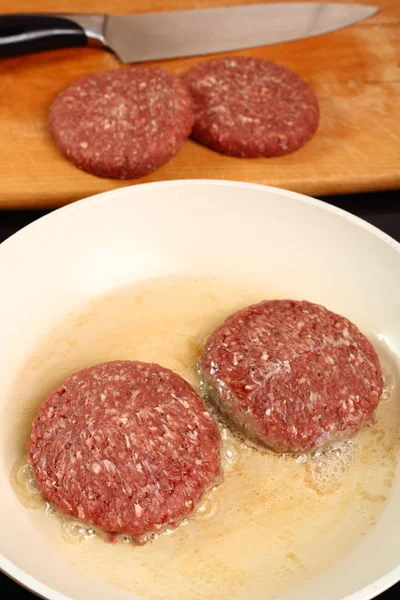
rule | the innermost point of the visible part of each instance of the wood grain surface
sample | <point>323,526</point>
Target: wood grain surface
<point>355,73</point>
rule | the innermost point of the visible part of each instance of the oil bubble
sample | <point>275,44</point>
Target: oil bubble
<point>326,471</point>
<point>76,532</point>
<point>24,485</point>
<point>208,509</point>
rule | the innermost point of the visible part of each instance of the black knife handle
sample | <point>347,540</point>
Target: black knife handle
<point>28,33</point>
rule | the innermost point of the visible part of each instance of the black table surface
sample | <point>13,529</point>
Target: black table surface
<point>381,209</point>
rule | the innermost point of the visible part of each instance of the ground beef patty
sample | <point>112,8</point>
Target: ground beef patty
<point>292,376</point>
<point>122,123</point>
<point>126,446</point>
<point>251,107</point>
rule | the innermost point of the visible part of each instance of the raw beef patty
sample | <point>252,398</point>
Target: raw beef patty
<point>292,376</point>
<point>122,123</point>
<point>251,107</point>
<point>126,446</point>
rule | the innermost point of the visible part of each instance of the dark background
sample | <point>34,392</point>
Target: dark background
<point>381,209</point>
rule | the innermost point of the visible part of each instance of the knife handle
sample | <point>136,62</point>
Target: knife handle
<point>28,33</point>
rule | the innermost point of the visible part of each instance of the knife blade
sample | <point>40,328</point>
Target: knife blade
<point>163,35</point>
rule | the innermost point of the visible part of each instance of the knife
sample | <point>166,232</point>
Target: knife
<point>161,35</point>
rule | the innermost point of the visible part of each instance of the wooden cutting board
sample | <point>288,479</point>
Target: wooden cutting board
<point>355,72</point>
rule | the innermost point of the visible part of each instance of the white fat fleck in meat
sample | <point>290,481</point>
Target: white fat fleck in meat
<point>109,466</point>
<point>96,468</point>
<point>127,489</point>
<point>213,368</point>
<point>146,465</point>
<point>138,510</point>
<point>167,432</point>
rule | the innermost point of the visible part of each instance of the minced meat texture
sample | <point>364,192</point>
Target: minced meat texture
<point>292,375</point>
<point>123,123</point>
<point>125,446</point>
<point>251,107</point>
